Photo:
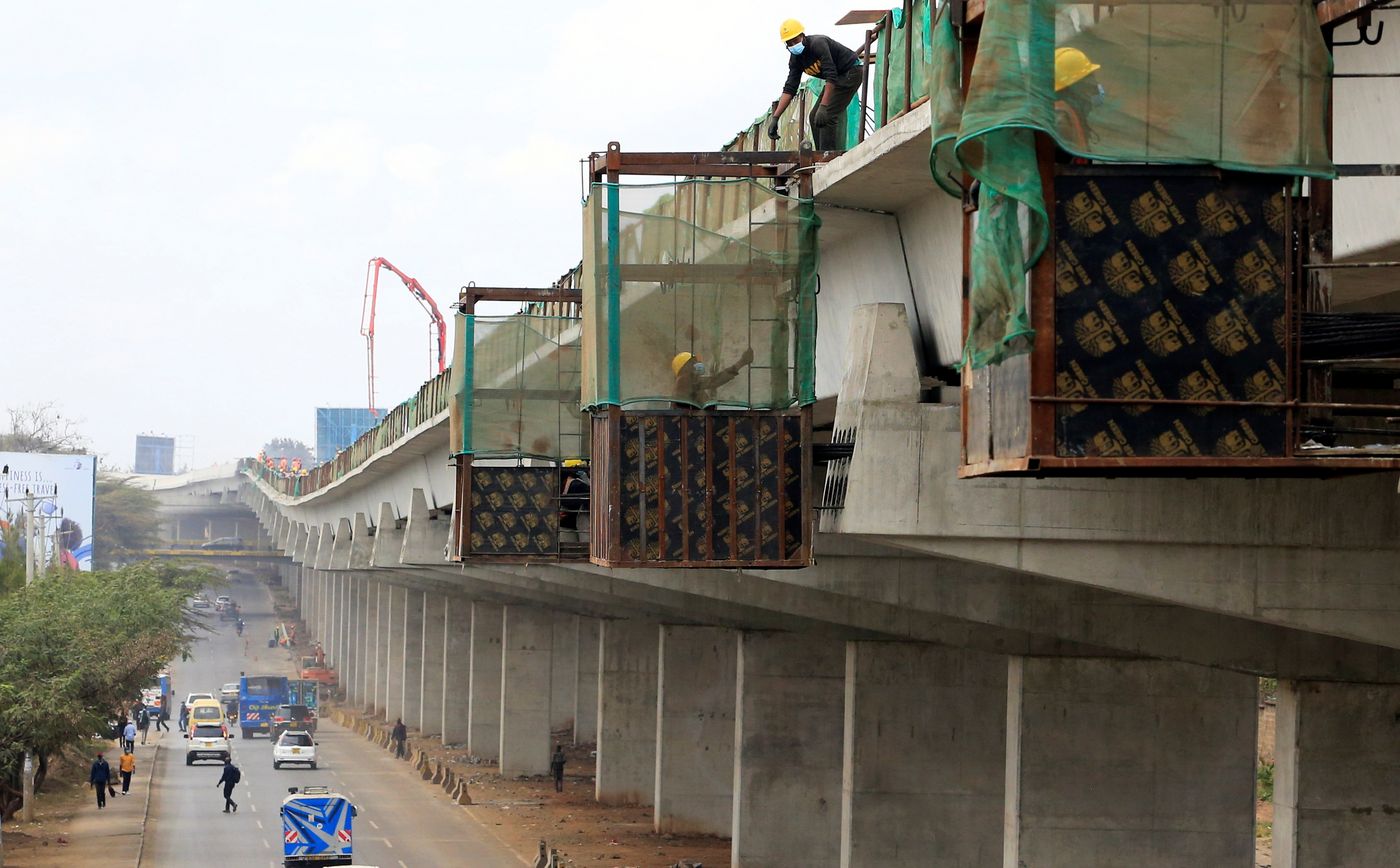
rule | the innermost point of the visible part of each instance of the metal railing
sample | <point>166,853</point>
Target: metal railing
<point>432,399</point>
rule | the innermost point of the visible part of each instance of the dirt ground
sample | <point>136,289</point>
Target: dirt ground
<point>523,811</point>
<point>45,843</point>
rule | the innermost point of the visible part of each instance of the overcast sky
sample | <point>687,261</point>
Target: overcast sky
<point>189,192</point>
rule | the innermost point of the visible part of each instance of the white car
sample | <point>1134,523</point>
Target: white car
<point>294,746</point>
<point>206,742</point>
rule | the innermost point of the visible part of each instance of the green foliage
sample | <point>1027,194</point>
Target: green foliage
<point>12,561</point>
<point>289,448</point>
<point>127,523</point>
<point>1264,777</point>
<point>76,647</point>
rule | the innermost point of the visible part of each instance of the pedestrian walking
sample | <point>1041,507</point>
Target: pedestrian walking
<point>127,767</point>
<point>129,737</point>
<point>163,714</point>
<point>556,767</point>
<point>100,779</point>
<point>400,738</point>
<point>184,717</point>
<point>228,781</point>
<point>143,722</point>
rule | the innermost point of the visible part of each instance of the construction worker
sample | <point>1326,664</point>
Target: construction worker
<point>574,501</point>
<point>1077,93</point>
<point>696,384</point>
<point>824,58</point>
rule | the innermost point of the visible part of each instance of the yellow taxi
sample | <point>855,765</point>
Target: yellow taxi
<point>207,712</point>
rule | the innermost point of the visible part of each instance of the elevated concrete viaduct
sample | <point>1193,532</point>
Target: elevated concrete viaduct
<point>983,672</point>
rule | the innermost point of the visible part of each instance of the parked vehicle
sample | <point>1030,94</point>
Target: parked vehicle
<point>258,698</point>
<point>316,828</point>
<point>292,747</point>
<point>206,742</point>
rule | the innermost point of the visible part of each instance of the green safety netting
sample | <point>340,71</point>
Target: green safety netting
<point>891,50</point>
<point>517,379</point>
<point>1240,86</point>
<point>723,273</point>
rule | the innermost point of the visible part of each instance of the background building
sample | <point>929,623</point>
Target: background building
<point>337,428</point>
<point>155,455</point>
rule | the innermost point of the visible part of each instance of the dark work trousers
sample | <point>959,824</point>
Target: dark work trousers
<point>832,137</point>
<point>558,779</point>
<point>229,803</point>
<point>399,746</point>
<point>101,788</point>
<point>126,782</point>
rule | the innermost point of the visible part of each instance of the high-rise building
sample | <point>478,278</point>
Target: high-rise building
<point>338,427</point>
<point>155,454</point>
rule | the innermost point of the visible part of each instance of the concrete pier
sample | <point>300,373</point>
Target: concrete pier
<point>627,713</point>
<point>527,637</point>
<point>696,678</point>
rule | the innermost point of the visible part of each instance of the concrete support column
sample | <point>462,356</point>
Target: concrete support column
<point>787,753</point>
<point>430,688</point>
<point>1336,787</point>
<point>586,692</point>
<point>923,771</point>
<point>563,674</point>
<point>627,713</point>
<point>393,621</point>
<point>342,626</point>
<point>374,658</point>
<point>412,658</point>
<point>695,730</point>
<point>456,669</point>
<point>527,636</point>
<point>354,640</point>
<point>484,701</point>
<point>1116,762</point>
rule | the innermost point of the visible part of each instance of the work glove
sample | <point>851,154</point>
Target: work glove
<point>773,129</point>
<point>824,117</point>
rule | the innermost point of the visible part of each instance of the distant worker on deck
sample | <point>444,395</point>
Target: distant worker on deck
<point>824,58</point>
<point>696,384</point>
<point>1077,94</point>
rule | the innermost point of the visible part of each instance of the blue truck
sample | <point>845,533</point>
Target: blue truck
<point>317,828</point>
<point>258,698</point>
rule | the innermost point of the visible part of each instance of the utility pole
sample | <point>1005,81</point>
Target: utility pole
<point>35,565</point>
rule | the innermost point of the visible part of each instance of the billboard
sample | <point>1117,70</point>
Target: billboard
<point>62,486</point>
<point>155,454</point>
<point>338,427</point>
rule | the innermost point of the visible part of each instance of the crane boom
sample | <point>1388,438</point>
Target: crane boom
<point>437,327</point>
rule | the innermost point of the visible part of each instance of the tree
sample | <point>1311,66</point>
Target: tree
<point>75,648</point>
<point>40,427</point>
<point>289,448</point>
<point>127,522</point>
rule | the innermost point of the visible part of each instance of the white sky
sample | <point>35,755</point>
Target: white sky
<point>189,191</point>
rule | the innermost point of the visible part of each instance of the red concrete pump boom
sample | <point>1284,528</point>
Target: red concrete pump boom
<point>437,328</point>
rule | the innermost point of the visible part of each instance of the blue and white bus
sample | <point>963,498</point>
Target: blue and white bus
<point>258,698</point>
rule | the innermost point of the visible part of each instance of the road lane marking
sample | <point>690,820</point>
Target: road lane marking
<point>388,843</point>
<point>259,822</point>
<point>401,865</point>
<point>265,844</point>
<point>375,825</point>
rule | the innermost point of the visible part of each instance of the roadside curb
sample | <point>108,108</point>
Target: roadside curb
<point>146,809</point>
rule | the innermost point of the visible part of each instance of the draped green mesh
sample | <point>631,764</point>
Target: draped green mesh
<point>719,273</point>
<point>1241,87</point>
<point>519,388</point>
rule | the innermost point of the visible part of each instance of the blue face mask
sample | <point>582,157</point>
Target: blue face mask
<point>699,369</point>
<point>1099,95</point>
<point>796,49</point>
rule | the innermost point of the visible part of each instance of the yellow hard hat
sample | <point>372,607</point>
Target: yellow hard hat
<point>791,27</point>
<point>1071,66</point>
<point>573,462</point>
<point>679,362</point>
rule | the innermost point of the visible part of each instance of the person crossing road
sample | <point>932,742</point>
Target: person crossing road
<point>228,780</point>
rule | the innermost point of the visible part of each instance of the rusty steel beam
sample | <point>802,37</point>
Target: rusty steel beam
<point>718,164</point>
<point>470,295</point>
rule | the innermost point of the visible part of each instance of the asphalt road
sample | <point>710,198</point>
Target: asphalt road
<point>402,822</point>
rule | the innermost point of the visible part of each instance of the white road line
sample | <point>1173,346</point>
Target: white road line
<point>401,865</point>
<point>265,844</point>
<point>259,822</point>
<point>388,843</point>
<point>374,824</point>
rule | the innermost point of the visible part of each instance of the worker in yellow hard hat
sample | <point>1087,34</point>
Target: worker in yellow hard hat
<point>1077,94</point>
<point>696,383</point>
<point>836,65</point>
